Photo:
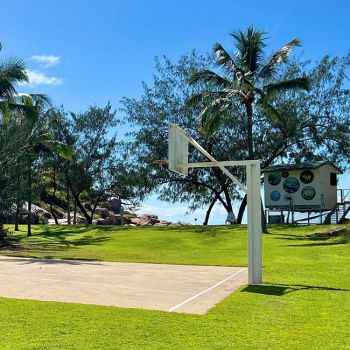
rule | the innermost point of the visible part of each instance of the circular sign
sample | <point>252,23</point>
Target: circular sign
<point>274,179</point>
<point>285,174</point>
<point>306,176</point>
<point>308,193</point>
<point>291,185</point>
<point>288,197</point>
<point>275,196</point>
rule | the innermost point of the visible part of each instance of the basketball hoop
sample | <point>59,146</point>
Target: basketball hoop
<point>161,163</point>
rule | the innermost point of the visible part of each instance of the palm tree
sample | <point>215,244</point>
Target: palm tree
<point>247,79</point>
<point>12,71</point>
<point>37,139</point>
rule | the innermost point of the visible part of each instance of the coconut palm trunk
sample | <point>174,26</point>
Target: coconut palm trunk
<point>68,203</point>
<point>249,111</point>
<point>29,216</point>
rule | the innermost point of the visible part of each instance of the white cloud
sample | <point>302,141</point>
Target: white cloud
<point>47,61</point>
<point>39,78</point>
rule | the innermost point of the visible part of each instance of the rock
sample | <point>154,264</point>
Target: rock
<point>102,222</point>
<point>115,204</point>
<point>136,221</point>
<point>143,221</point>
<point>115,219</point>
<point>163,223</point>
<point>146,222</point>
<point>87,206</point>
<point>37,210</point>
<point>128,218</point>
<point>150,216</point>
<point>34,218</point>
<point>81,220</point>
<point>103,212</point>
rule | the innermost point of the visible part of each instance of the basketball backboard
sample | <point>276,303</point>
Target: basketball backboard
<point>178,150</point>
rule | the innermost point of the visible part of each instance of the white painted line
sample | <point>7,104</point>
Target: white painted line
<point>95,284</point>
<point>205,291</point>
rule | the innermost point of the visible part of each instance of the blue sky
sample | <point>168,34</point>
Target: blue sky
<point>89,52</point>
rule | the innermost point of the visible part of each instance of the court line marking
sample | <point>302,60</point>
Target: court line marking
<point>96,284</point>
<point>205,291</point>
<point>42,267</point>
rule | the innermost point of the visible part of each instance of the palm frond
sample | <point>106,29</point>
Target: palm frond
<point>209,124</point>
<point>211,116</point>
<point>208,76</point>
<point>224,59</point>
<point>250,46</point>
<point>58,147</point>
<point>278,57</point>
<point>12,72</point>
<point>206,95</point>
<point>292,84</point>
<point>271,112</point>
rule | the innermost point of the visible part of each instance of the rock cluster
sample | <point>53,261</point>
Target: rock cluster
<point>108,215</point>
<point>129,219</point>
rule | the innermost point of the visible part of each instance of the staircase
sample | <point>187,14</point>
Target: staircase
<point>340,210</point>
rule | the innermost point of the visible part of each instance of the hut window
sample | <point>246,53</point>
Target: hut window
<point>333,179</point>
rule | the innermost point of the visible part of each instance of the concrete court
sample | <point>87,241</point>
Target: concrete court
<point>174,288</point>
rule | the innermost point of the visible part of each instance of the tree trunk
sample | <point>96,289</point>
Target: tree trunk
<point>29,216</point>
<point>263,220</point>
<point>211,205</point>
<point>68,203</point>
<point>18,203</point>
<point>249,110</point>
<point>53,196</point>
<point>242,209</point>
<point>78,203</point>
<point>18,200</point>
<point>75,213</point>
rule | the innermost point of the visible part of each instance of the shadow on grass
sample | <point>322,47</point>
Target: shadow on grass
<point>318,239</point>
<point>54,240</point>
<point>283,289</point>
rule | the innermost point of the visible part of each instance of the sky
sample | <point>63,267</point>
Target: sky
<point>83,53</point>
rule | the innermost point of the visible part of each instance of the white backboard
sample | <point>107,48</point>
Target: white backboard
<point>178,150</point>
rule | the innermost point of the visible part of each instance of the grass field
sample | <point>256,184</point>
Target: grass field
<point>304,302</point>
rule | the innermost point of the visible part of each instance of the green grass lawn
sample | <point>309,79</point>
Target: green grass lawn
<point>304,302</point>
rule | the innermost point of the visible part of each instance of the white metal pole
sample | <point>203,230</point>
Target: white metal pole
<point>254,224</point>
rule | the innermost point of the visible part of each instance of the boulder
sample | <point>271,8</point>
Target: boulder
<point>103,212</point>
<point>37,210</point>
<point>115,205</point>
<point>143,221</point>
<point>81,220</point>
<point>115,219</point>
<point>163,223</point>
<point>101,222</point>
<point>136,221</point>
<point>146,222</point>
<point>149,216</point>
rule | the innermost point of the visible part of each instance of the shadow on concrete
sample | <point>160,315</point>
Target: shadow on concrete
<point>50,261</point>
